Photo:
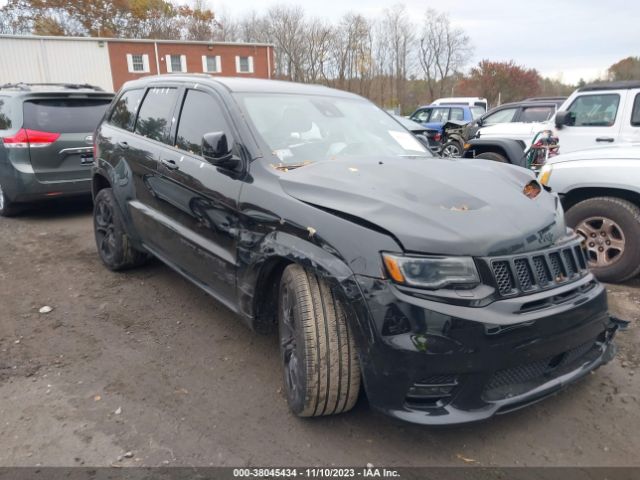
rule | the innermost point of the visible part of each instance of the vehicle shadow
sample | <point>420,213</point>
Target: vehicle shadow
<point>57,208</point>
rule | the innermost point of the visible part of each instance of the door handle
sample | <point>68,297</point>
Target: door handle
<point>123,145</point>
<point>605,139</point>
<point>170,164</point>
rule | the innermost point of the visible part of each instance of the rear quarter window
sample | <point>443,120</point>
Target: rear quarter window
<point>64,115</point>
<point>8,113</point>
<point>635,113</point>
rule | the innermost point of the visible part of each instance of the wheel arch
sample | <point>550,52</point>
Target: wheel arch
<point>579,194</point>
<point>99,182</point>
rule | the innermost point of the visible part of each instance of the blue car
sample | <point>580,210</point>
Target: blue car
<point>434,117</point>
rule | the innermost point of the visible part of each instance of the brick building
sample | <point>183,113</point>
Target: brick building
<point>109,62</point>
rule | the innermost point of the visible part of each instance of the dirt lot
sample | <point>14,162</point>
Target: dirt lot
<point>144,362</point>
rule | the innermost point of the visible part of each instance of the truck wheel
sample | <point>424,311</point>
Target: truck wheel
<point>321,370</point>
<point>611,228</point>
<point>496,157</point>
<point>7,208</point>
<point>452,148</point>
<point>114,246</point>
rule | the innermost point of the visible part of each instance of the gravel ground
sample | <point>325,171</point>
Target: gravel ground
<point>142,368</point>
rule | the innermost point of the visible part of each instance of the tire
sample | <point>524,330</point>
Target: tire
<point>611,227</point>
<point>7,208</point>
<point>321,370</point>
<point>452,149</point>
<point>496,157</point>
<point>114,245</point>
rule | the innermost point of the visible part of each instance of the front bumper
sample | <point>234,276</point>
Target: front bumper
<point>430,362</point>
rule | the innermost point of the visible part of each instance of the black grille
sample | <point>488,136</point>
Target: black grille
<point>516,380</point>
<point>542,271</point>
<point>525,274</point>
<point>556,266</point>
<point>504,279</point>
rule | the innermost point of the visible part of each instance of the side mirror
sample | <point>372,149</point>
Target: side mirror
<point>479,122</point>
<point>563,118</point>
<point>217,151</point>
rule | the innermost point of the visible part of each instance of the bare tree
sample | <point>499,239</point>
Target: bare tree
<point>286,26</point>
<point>398,31</point>
<point>443,51</point>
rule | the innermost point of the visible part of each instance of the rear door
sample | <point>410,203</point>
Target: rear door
<point>200,199</point>
<point>596,119</point>
<point>631,119</point>
<point>60,131</point>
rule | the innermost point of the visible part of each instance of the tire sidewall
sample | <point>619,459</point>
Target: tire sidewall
<point>297,399</point>
<point>115,261</point>
<point>629,261</point>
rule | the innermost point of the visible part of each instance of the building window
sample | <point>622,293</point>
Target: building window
<point>244,64</point>
<point>211,64</point>
<point>138,63</point>
<point>176,63</point>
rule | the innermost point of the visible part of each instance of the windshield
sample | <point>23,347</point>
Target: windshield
<point>302,129</point>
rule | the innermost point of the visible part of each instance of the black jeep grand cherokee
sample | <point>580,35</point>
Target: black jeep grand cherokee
<point>450,287</point>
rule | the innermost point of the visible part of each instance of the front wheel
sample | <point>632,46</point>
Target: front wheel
<point>321,370</point>
<point>611,229</point>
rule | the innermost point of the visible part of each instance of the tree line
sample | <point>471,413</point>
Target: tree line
<point>395,60</point>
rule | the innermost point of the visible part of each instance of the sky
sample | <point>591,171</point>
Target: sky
<point>564,39</point>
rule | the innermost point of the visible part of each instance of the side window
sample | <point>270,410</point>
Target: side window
<point>536,114</point>
<point>124,111</point>
<point>421,116</point>
<point>635,114</point>
<point>154,118</point>
<point>6,113</point>
<point>439,115</point>
<point>501,116</point>
<point>201,114</point>
<point>456,114</point>
<point>594,110</point>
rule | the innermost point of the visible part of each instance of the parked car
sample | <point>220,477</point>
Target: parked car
<point>600,190</point>
<point>434,117</point>
<point>598,114</point>
<point>46,146</point>
<point>429,136</point>
<point>312,212</point>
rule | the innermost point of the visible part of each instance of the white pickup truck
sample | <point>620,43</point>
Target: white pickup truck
<point>594,115</point>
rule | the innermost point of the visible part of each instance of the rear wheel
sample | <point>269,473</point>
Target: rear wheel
<point>496,157</point>
<point>321,370</point>
<point>611,229</point>
<point>114,245</point>
<point>452,148</point>
<point>7,208</point>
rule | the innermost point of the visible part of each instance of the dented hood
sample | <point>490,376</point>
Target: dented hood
<point>438,206</point>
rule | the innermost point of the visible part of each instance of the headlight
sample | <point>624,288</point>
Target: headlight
<point>545,174</point>
<point>431,272</point>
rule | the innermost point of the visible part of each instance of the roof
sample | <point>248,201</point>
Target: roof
<point>137,40</point>
<point>248,85</point>
<point>622,85</point>
<point>25,88</point>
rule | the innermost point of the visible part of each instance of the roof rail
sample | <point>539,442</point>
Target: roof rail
<point>72,86</point>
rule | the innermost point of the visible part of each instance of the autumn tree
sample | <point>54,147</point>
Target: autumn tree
<point>500,82</point>
<point>626,69</point>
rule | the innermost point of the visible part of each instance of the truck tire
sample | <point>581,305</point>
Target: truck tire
<point>114,245</point>
<point>321,370</point>
<point>496,157</point>
<point>611,228</point>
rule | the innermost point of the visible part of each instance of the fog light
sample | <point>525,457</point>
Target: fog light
<point>432,391</point>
